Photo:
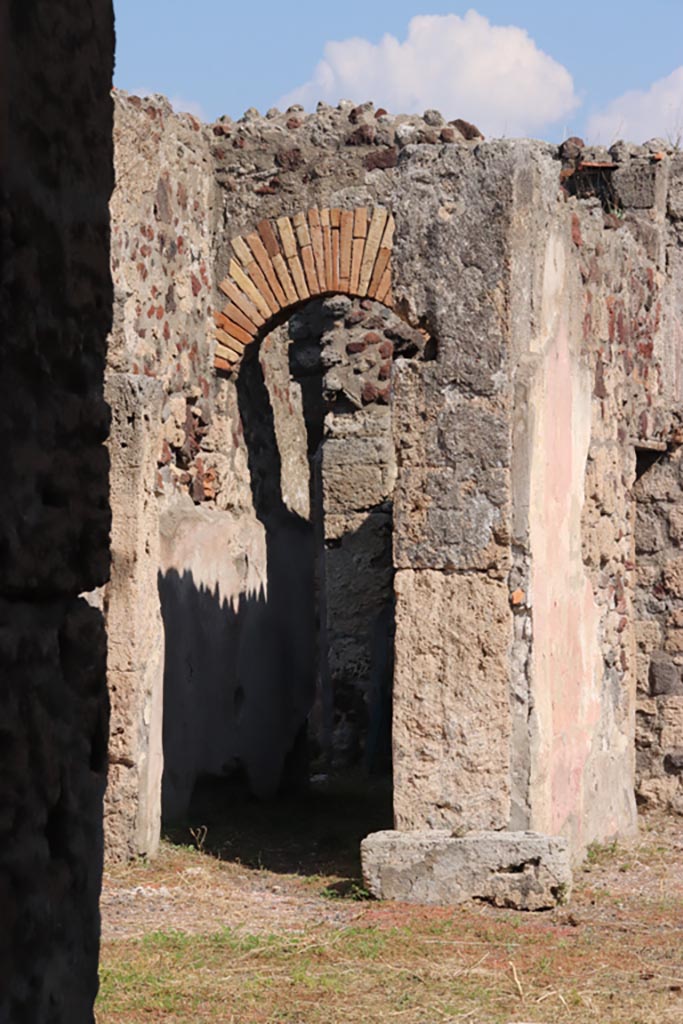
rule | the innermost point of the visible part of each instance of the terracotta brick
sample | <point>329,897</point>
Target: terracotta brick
<point>301,228</point>
<point>372,243</point>
<point>317,242</point>
<point>284,226</point>
<point>250,289</point>
<point>269,238</point>
<point>233,329</point>
<point>384,289</point>
<point>258,277</point>
<point>336,246</point>
<point>381,265</point>
<point>263,259</point>
<point>228,342</point>
<point>230,289</point>
<point>234,313</point>
<point>360,222</point>
<point>224,365</point>
<point>335,217</point>
<point>356,261</point>
<point>308,260</point>
<point>297,272</point>
<point>327,247</point>
<point>388,236</point>
<point>345,252</point>
<point>285,278</point>
<point>242,251</point>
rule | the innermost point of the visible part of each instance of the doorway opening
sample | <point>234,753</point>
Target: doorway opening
<point>289,687</point>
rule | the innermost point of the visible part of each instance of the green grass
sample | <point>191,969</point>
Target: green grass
<point>612,957</point>
<point>420,970</point>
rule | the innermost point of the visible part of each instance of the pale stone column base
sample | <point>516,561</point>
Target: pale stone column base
<point>522,870</point>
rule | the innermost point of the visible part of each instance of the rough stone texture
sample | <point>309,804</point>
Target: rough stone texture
<point>135,657</point>
<point>452,757</point>
<point>55,310</point>
<point>237,461</point>
<point>540,299</point>
<point>571,474</point>
<point>164,211</point>
<point>659,630</point>
<point>555,323</point>
<point>523,870</point>
<point>451,733</point>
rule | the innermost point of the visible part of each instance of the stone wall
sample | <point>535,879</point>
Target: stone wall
<point>606,337</point>
<point>659,585</point>
<point>555,313</point>
<point>452,751</point>
<point>56,176</point>
<point>538,290</point>
<point>192,553</point>
<point>163,211</point>
<point>659,590</point>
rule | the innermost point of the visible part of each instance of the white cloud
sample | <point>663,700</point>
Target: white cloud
<point>644,114</point>
<point>182,106</point>
<point>465,67</point>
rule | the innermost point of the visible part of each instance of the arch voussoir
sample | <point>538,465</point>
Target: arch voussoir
<point>288,260</point>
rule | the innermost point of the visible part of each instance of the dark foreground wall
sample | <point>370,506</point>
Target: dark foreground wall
<point>55,311</point>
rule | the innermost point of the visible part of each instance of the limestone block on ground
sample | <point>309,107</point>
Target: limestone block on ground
<point>524,870</point>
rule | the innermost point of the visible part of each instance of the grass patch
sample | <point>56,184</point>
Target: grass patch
<point>400,965</point>
<point>612,957</point>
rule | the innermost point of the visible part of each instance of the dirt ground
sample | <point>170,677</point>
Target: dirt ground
<point>274,907</point>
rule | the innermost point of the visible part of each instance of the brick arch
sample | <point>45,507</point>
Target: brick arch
<point>289,260</point>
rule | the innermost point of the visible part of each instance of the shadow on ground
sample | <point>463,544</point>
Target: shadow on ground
<point>317,831</point>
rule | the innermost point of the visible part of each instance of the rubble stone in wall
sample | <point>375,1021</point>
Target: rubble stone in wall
<point>659,608</point>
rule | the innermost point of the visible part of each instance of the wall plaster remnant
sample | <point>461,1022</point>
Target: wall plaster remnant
<point>403,377</point>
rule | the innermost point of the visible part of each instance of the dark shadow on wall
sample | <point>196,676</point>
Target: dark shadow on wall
<point>231,706</point>
<point>239,680</point>
<point>292,626</point>
<point>223,691</point>
<point>243,676</point>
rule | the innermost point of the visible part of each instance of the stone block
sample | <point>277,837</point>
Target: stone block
<point>452,720</point>
<point>443,521</point>
<point>665,676</point>
<point>648,634</point>
<point>356,487</point>
<point>639,185</point>
<point>452,498</point>
<point>523,870</point>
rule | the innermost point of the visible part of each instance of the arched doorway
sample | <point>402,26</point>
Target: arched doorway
<point>290,683</point>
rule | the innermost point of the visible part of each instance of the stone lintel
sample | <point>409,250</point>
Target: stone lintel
<point>523,870</point>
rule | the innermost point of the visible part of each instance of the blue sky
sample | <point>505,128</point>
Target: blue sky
<point>600,70</point>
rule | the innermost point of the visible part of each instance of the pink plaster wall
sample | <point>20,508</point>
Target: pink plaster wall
<point>578,750</point>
